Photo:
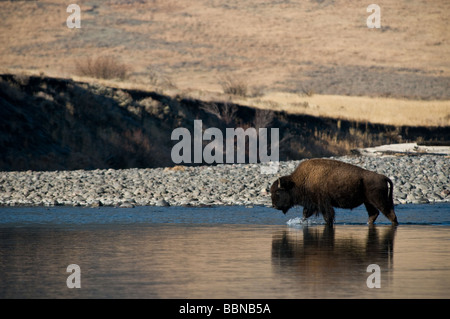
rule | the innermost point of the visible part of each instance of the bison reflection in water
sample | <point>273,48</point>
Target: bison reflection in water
<point>329,258</point>
<point>321,184</point>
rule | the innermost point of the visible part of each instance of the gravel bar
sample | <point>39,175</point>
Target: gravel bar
<point>417,179</point>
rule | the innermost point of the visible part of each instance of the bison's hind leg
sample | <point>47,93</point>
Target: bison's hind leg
<point>387,210</point>
<point>390,214</point>
<point>373,213</point>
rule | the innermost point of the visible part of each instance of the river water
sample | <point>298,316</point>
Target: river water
<point>222,252</point>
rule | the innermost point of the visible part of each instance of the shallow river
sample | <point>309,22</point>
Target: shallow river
<point>222,252</point>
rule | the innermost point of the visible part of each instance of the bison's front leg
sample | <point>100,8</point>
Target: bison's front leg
<point>308,212</point>
<point>328,214</point>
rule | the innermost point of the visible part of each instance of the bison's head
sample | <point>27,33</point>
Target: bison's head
<point>281,193</point>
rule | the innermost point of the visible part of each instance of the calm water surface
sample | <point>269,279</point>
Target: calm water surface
<point>223,252</point>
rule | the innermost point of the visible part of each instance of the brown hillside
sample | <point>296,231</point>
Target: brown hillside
<point>320,46</point>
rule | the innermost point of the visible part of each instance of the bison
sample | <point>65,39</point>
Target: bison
<point>321,184</point>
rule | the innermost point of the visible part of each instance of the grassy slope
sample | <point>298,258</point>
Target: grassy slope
<point>323,47</point>
<point>199,37</point>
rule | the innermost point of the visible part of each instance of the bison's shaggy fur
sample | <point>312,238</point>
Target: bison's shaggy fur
<point>321,184</point>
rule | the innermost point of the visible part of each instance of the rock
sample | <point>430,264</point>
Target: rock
<point>162,203</point>
<point>126,205</point>
<point>445,193</point>
<point>421,200</point>
<point>417,179</point>
<point>407,186</point>
<point>95,203</point>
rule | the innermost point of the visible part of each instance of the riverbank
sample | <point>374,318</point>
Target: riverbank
<point>417,179</point>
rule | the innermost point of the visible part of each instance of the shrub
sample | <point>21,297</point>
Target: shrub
<point>103,67</point>
<point>158,77</point>
<point>234,86</point>
<point>226,112</point>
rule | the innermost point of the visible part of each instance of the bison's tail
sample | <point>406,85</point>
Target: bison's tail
<point>391,214</point>
<point>391,191</point>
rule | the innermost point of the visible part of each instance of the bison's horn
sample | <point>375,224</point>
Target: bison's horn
<point>279,183</point>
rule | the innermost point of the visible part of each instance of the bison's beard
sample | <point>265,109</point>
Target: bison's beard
<point>283,209</point>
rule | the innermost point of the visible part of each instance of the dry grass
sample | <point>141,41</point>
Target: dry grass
<point>360,108</point>
<point>278,46</point>
<point>200,40</point>
<point>103,67</point>
<point>234,86</point>
<point>366,109</point>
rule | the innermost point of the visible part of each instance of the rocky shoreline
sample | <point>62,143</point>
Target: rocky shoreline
<point>417,179</point>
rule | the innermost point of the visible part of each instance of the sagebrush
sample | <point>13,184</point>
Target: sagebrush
<point>103,67</point>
